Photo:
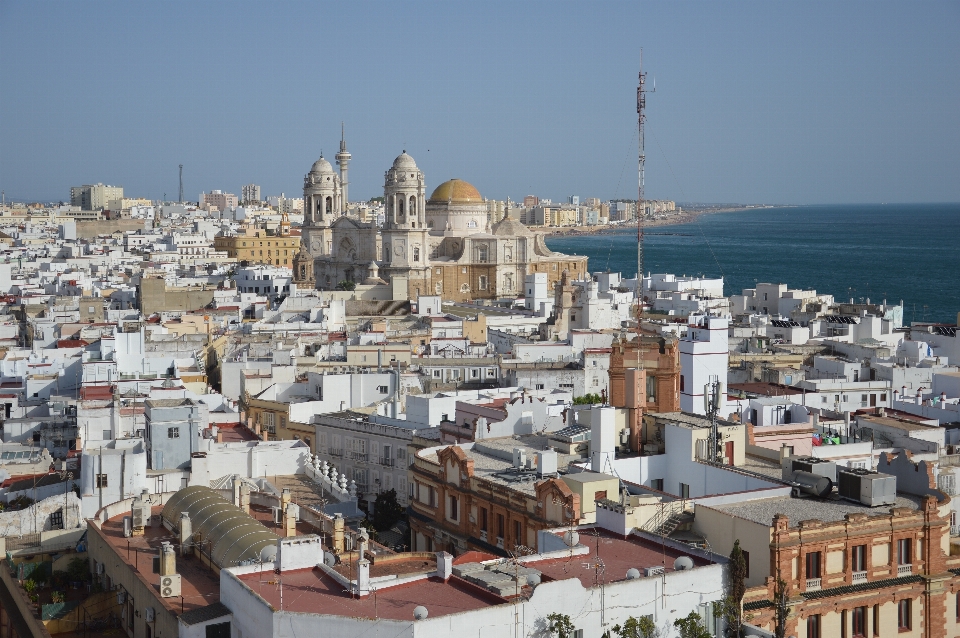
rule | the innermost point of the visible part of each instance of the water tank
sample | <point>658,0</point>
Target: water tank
<point>812,484</point>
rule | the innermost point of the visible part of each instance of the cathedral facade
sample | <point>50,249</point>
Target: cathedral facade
<point>441,245</point>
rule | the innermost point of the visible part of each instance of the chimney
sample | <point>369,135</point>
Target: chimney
<point>362,538</point>
<point>444,565</point>
<point>186,533</point>
<point>245,497</point>
<point>363,577</point>
<point>168,559</point>
<point>291,513</point>
<point>338,533</point>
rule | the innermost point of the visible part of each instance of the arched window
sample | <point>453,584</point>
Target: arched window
<point>413,206</point>
<point>482,253</point>
<point>416,254</point>
<point>400,207</point>
<point>329,206</point>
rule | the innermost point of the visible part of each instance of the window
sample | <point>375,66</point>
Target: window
<point>859,621</point>
<point>56,520</point>
<point>684,490</point>
<point>454,513</point>
<point>876,620</point>
<point>483,282</point>
<point>813,626</point>
<point>483,527</point>
<point>903,614</point>
<point>843,624</point>
<point>858,558</point>
<point>958,605</point>
<point>283,421</point>
<point>813,565</point>
<point>651,389</point>
<point>101,480</point>
<point>657,484</point>
<point>173,433</point>
<point>539,386</point>
<point>517,533</point>
<point>904,553</point>
<point>382,389</point>
<point>500,525</point>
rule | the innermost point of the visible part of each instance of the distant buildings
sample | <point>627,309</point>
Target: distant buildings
<point>249,193</point>
<point>94,196</point>
<point>222,201</point>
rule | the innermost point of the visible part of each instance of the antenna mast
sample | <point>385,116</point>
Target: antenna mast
<point>181,184</point>
<point>641,207</point>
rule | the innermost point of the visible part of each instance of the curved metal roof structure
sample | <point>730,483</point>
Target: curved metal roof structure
<point>230,536</point>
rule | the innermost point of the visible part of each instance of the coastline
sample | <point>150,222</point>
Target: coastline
<point>686,217</point>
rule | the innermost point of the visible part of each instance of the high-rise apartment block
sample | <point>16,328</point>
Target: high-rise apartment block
<point>530,201</point>
<point>94,196</point>
<point>223,201</point>
<point>250,193</point>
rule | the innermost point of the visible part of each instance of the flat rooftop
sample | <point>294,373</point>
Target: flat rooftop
<point>803,509</point>
<point>618,554</point>
<point>313,591</point>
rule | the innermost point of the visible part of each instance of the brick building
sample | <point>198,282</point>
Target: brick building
<point>468,498</point>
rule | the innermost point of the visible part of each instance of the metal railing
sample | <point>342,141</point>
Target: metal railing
<point>387,462</point>
<point>358,456</point>
<point>668,510</point>
<point>858,577</point>
<point>814,584</point>
<point>904,570</point>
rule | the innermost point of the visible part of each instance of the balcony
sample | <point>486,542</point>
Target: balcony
<point>483,535</point>
<point>904,570</point>
<point>358,456</point>
<point>814,584</point>
<point>500,542</point>
<point>858,577</point>
<point>336,452</point>
<point>385,462</point>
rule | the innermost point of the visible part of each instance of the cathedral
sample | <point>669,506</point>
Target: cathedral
<point>441,245</point>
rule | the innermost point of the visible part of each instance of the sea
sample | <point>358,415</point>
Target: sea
<point>897,252</point>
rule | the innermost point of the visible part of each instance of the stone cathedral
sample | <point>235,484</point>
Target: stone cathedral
<point>437,246</point>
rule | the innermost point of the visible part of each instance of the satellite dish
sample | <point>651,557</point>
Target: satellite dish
<point>268,554</point>
<point>419,612</point>
<point>330,559</point>
<point>533,579</point>
<point>571,538</point>
<point>683,563</point>
<point>633,573</point>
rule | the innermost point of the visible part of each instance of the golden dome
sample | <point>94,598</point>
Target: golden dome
<point>456,191</point>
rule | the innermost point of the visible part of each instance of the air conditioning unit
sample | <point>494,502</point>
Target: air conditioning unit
<point>812,465</point>
<point>149,614</point>
<point>653,571</point>
<point>170,585</point>
<point>867,487</point>
<point>121,597</point>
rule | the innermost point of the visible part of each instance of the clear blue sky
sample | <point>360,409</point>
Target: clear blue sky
<point>766,102</point>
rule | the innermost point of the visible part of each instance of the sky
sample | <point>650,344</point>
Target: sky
<point>755,102</point>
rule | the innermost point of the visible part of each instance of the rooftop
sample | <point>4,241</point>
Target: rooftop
<point>802,509</point>
<point>313,591</point>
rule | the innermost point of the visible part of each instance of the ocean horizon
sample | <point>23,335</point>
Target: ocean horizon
<point>895,252</point>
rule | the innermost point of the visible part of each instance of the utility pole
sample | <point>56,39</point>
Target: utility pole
<point>180,201</point>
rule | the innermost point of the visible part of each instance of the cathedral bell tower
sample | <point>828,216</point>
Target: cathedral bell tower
<point>322,205</point>
<point>405,225</point>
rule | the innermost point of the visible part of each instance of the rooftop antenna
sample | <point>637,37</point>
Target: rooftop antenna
<point>181,184</point>
<point>641,208</point>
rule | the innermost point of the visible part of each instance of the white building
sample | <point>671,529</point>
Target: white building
<point>704,357</point>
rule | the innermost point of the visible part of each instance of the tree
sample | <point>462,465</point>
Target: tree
<point>588,399</point>
<point>691,626</point>
<point>780,608</point>
<point>642,627</point>
<point>347,285</point>
<point>386,510</point>
<point>560,625</point>
<point>730,608</point>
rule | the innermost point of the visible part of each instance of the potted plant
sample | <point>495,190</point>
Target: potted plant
<point>56,597</point>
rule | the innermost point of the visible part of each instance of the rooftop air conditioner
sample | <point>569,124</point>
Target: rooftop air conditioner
<point>170,585</point>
